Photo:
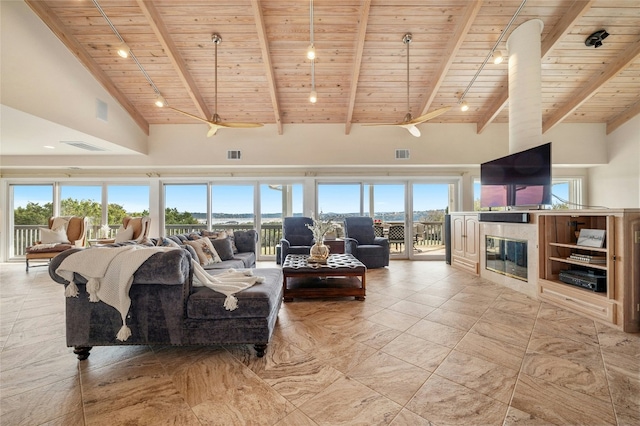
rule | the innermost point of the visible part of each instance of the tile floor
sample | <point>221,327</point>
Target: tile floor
<point>429,346</point>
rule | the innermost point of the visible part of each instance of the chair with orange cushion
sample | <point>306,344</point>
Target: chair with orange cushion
<point>63,233</point>
<point>133,228</point>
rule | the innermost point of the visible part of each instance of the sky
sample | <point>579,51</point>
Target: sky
<point>240,198</point>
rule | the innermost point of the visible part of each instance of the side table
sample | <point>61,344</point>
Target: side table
<point>336,246</point>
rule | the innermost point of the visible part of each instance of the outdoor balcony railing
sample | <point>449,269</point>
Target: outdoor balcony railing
<point>270,234</point>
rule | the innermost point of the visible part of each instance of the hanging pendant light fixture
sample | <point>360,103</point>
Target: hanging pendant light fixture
<point>311,55</point>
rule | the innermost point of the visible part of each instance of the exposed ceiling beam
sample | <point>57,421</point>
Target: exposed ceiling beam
<point>162,33</point>
<point>450,53</point>
<point>562,28</point>
<point>47,16</point>
<point>357,61</point>
<point>266,59</point>
<point>623,117</point>
<point>595,82</point>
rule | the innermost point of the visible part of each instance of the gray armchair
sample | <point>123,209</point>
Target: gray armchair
<point>296,237</point>
<point>360,241</point>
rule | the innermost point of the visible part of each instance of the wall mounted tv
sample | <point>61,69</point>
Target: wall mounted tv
<point>517,180</point>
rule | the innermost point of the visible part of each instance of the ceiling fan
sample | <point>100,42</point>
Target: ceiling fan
<point>216,123</point>
<point>409,122</point>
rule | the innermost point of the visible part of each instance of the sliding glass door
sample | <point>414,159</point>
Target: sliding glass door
<point>430,202</point>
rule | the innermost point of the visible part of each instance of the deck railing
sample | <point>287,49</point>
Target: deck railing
<point>270,235</point>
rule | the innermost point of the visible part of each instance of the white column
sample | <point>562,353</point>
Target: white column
<point>525,97</point>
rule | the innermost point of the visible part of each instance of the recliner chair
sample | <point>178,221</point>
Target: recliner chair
<point>296,237</point>
<point>360,241</point>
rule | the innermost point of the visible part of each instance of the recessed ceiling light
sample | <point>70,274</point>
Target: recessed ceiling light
<point>49,147</point>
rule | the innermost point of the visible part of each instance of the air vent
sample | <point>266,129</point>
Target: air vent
<point>102,110</point>
<point>234,155</point>
<point>83,145</point>
<point>402,154</point>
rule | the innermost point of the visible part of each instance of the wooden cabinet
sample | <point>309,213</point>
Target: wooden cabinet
<point>465,244</point>
<point>619,302</point>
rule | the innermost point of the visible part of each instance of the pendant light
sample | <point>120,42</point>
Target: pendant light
<point>311,55</point>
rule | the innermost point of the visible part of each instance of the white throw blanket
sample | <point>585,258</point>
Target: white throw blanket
<point>109,273</point>
<point>228,282</point>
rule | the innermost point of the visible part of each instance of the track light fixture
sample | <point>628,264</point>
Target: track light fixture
<point>311,52</point>
<point>596,38</point>
<point>491,53</point>
<point>123,50</point>
<point>313,97</point>
<point>498,57</point>
<point>464,106</point>
<point>160,101</point>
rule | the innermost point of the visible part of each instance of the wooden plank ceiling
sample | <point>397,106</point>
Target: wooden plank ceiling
<point>361,66</point>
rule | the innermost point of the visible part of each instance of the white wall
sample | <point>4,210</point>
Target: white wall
<point>41,77</point>
<point>617,184</point>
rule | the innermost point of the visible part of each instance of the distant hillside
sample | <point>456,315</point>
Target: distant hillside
<point>425,215</point>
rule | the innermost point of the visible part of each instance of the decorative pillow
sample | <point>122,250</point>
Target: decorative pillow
<point>223,247</point>
<point>53,236</point>
<point>232,238</point>
<point>207,255</point>
<point>166,242</point>
<point>60,222</point>
<point>124,234</point>
<point>193,236</point>
<point>214,235</point>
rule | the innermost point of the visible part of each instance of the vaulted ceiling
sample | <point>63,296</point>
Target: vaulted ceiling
<point>361,65</point>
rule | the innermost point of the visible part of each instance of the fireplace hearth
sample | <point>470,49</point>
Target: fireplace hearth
<point>506,256</point>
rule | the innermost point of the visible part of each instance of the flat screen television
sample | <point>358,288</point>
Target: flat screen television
<point>517,180</point>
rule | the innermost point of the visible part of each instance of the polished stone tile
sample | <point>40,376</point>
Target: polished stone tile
<point>293,373</point>
<point>444,402</point>
<point>132,389</point>
<point>43,403</point>
<point>570,363</point>
<point>349,402</point>
<point>437,333</point>
<point>492,350</point>
<point>417,351</point>
<point>559,405</point>
<point>623,375</point>
<point>430,345</point>
<point>393,319</point>
<point>406,418</point>
<point>568,325</point>
<point>469,309</point>
<point>38,373</point>
<point>396,379</point>
<point>452,319</point>
<point>418,310</point>
<point>480,375</point>
<point>297,418</point>
<point>370,333</point>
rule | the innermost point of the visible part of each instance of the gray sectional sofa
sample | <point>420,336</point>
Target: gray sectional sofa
<point>167,310</point>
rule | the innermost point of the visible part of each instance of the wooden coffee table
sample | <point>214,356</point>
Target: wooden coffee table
<point>342,276</point>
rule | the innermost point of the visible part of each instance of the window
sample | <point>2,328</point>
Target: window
<point>126,200</point>
<point>83,200</point>
<point>276,202</point>
<point>338,200</point>
<point>185,208</point>
<point>232,206</point>
<point>32,208</point>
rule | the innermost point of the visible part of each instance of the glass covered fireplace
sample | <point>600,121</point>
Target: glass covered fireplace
<point>507,256</point>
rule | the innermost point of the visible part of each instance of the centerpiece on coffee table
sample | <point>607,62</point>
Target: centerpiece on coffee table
<point>319,252</point>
